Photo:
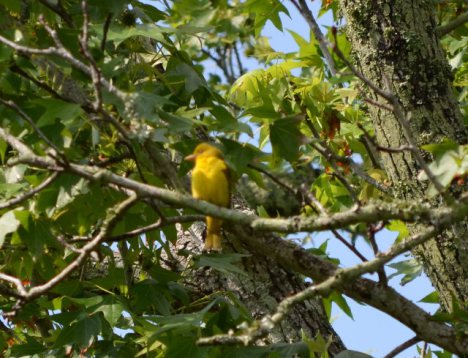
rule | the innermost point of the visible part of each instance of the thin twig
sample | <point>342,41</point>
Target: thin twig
<point>405,345</point>
<point>348,245</point>
<point>371,231</point>
<point>105,31</point>
<point>274,178</point>
<point>29,194</point>
<point>336,171</point>
<point>113,215</point>
<point>28,119</point>
<point>309,17</point>
<point>16,69</point>
<point>377,104</point>
<point>95,72</point>
<point>62,52</point>
<point>219,63</point>
<point>387,95</point>
<point>314,202</point>
<point>238,59</point>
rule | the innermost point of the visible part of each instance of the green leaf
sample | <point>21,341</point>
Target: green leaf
<point>286,138</point>
<point>184,76</point>
<point>306,48</point>
<point>238,155</point>
<point>108,305</point>
<point>225,263</point>
<point>438,149</point>
<point>410,269</point>
<point>266,10</point>
<point>340,300</point>
<point>118,34</point>
<point>185,321</point>
<point>30,348</point>
<point>8,224</point>
<point>13,5</point>
<point>56,109</point>
<point>177,124</point>
<point>433,297</point>
<point>82,333</point>
<point>400,227</point>
<point>149,293</point>
<point>148,105</point>
<point>447,165</point>
<point>111,308</point>
<point>318,344</point>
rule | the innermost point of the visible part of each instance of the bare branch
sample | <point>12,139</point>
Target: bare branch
<point>459,21</point>
<point>338,281</point>
<point>60,50</point>
<point>364,290</point>
<point>274,178</point>
<point>238,59</point>
<point>29,194</point>
<point>95,72</point>
<point>105,30</point>
<point>410,342</point>
<point>313,202</point>
<point>113,215</point>
<point>16,282</point>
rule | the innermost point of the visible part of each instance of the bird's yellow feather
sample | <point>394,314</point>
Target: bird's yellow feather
<point>210,182</point>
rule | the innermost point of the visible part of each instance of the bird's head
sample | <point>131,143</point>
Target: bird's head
<point>204,150</point>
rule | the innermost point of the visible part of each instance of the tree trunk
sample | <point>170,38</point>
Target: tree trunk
<point>397,40</point>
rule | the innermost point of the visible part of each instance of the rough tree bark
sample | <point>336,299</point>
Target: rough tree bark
<point>397,40</point>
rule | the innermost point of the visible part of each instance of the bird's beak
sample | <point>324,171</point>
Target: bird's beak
<point>191,157</point>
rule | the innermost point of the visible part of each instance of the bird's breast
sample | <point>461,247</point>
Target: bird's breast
<point>209,181</point>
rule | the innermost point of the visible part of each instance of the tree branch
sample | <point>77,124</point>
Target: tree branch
<point>459,21</point>
<point>340,279</point>
<point>371,213</point>
<point>95,72</point>
<point>383,298</point>
<point>397,350</point>
<point>29,194</point>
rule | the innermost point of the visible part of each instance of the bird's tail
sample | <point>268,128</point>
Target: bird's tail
<point>213,234</point>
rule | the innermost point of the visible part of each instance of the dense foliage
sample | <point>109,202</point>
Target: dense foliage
<point>96,96</point>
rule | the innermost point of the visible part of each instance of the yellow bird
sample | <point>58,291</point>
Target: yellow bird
<point>210,182</point>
